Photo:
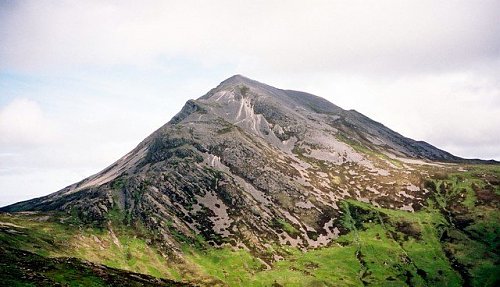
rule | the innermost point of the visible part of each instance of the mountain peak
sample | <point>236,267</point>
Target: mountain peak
<point>239,80</point>
<point>236,78</point>
<point>255,153</point>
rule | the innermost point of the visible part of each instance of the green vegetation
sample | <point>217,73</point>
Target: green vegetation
<point>244,90</point>
<point>22,268</point>
<point>470,201</point>
<point>384,247</point>
<point>314,268</point>
<point>400,247</point>
<point>225,130</point>
<point>117,246</point>
<point>282,224</point>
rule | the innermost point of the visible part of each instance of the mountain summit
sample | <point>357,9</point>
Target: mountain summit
<point>232,162</point>
<point>236,159</point>
<point>255,168</point>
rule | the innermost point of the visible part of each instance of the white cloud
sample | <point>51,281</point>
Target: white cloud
<point>389,36</point>
<point>22,123</point>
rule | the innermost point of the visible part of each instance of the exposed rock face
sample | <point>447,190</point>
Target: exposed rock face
<point>249,165</point>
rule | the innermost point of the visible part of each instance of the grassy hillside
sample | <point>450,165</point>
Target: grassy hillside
<point>23,268</point>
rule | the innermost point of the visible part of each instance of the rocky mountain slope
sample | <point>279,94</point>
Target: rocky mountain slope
<point>255,168</point>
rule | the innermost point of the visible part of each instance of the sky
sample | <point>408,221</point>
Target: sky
<point>83,82</point>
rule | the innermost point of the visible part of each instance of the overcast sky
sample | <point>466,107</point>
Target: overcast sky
<point>83,82</point>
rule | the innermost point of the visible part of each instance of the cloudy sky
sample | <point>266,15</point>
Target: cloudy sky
<point>82,82</point>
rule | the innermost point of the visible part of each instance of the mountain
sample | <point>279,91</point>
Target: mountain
<point>258,169</point>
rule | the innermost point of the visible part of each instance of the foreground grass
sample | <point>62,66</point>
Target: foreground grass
<point>120,247</point>
<point>23,268</point>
